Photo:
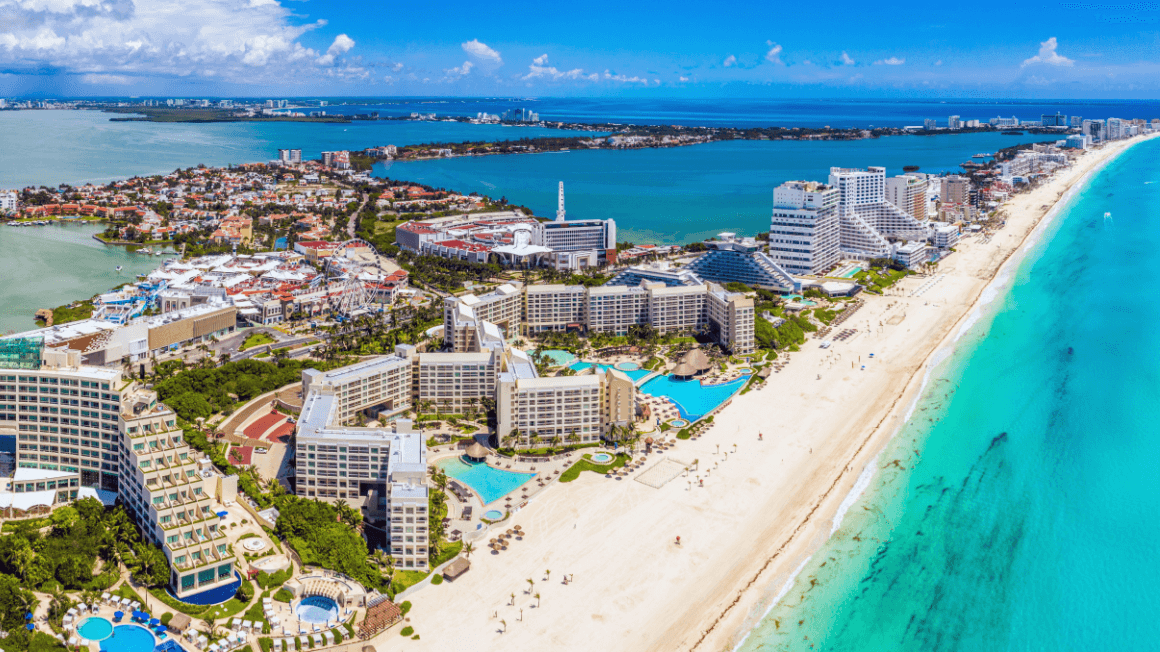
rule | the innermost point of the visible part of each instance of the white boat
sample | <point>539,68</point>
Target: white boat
<point>119,267</point>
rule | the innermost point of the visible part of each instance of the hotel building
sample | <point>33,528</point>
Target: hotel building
<point>119,440</point>
<point>804,235</point>
<point>867,219</point>
<point>731,259</point>
<point>381,470</point>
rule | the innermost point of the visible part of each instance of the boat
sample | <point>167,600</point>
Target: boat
<point>971,165</point>
<point>910,168</point>
<point>981,155</point>
<point>1013,132</point>
<point>119,267</point>
<point>147,251</point>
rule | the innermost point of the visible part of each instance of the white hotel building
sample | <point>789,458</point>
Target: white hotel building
<point>804,235</point>
<point>121,442</point>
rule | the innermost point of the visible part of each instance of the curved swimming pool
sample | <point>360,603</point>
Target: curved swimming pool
<point>693,399</point>
<point>129,638</point>
<point>601,458</point>
<point>490,483</point>
<point>317,609</point>
<point>95,628</point>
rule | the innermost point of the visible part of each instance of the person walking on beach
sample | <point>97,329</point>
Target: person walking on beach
<point>678,539</point>
<point>760,437</point>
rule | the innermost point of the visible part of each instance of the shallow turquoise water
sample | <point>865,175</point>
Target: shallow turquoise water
<point>129,638</point>
<point>1016,510</point>
<point>95,628</point>
<point>559,357</point>
<point>693,399</point>
<point>490,483</point>
<point>634,374</point>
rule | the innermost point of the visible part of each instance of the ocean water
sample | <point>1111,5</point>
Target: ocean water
<point>50,266</point>
<point>1016,510</point>
<point>681,194</point>
<point>46,148</point>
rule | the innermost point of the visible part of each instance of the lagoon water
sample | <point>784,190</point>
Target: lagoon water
<point>46,148</point>
<point>49,266</point>
<point>1021,512</point>
<point>681,194</point>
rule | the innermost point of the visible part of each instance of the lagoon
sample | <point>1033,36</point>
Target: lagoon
<point>49,266</point>
<point>683,194</point>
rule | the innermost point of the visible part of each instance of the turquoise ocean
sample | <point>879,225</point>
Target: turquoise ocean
<point>1016,509</point>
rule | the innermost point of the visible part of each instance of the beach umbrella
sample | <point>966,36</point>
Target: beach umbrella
<point>30,626</point>
<point>154,622</point>
<point>160,628</point>
<point>28,616</point>
<point>117,615</point>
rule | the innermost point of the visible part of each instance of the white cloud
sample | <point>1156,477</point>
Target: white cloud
<point>730,61</point>
<point>892,61</point>
<point>342,44</point>
<point>481,51</point>
<point>239,41</point>
<point>846,60</point>
<point>461,70</point>
<point>1048,55</point>
<point>938,63</point>
<point>774,53</point>
<point>683,79</point>
<point>539,69</point>
<point>624,78</point>
<point>397,67</point>
<point>100,79</point>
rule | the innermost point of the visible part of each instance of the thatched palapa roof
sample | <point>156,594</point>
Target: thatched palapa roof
<point>476,451</point>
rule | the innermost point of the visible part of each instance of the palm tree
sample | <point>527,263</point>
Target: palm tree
<point>504,623</point>
<point>547,576</point>
<point>537,600</point>
<point>468,549</point>
<point>513,598</point>
<point>531,583</point>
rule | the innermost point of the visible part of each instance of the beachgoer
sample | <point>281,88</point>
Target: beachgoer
<point>678,539</point>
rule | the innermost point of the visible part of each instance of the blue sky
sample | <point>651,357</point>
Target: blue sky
<point>670,49</point>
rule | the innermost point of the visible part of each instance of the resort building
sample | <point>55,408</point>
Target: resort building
<point>868,221</point>
<point>659,272</point>
<point>108,435</point>
<point>804,235</point>
<point>908,192</point>
<point>730,259</point>
<point>562,410</point>
<point>554,308</point>
<point>502,307</point>
<point>382,471</point>
<point>912,254</point>
<point>455,382</point>
<point>610,309</point>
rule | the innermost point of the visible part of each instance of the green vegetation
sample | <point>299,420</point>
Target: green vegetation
<point>71,312</point>
<point>405,579</point>
<point>437,579</point>
<point>326,535</point>
<point>881,274</point>
<point>791,333</point>
<point>407,631</point>
<point>586,464</point>
<point>256,339</point>
<point>283,595</point>
<point>826,316</point>
<point>67,555</point>
<point>197,392</point>
<point>735,286</point>
<point>272,581</point>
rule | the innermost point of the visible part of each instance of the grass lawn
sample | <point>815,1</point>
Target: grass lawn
<point>256,339</point>
<point>586,464</point>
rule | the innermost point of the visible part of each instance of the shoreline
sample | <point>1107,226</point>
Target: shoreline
<point>910,395</point>
<point>761,510</point>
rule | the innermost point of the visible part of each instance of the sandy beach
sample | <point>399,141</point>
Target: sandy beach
<point>763,507</point>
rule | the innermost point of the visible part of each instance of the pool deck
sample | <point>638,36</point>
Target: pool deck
<point>546,475</point>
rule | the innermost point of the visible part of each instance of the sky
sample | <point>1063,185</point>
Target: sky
<point>251,48</point>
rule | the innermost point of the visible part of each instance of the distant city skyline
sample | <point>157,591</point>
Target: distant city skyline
<point>265,47</point>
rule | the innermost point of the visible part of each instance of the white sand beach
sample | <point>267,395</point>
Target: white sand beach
<point>762,509</point>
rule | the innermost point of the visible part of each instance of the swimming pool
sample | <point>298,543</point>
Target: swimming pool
<point>493,515</point>
<point>627,366</point>
<point>129,638</point>
<point>559,357</point>
<point>213,596</point>
<point>693,399</point>
<point>601,458</point>
<point>634,374</point>
<point>95,628</point>
<point>800,299</point>
<point>317,609</point>
<point>490,483</point>
<point>850,273</point>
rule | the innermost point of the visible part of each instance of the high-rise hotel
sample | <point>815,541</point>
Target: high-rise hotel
<point>77,425</point>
